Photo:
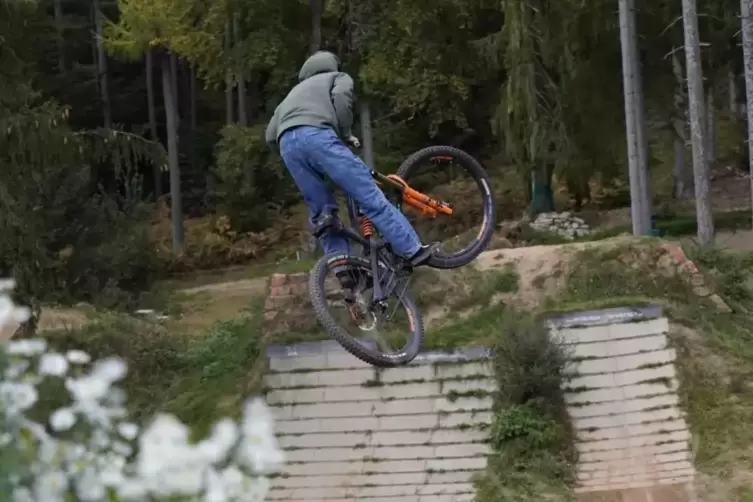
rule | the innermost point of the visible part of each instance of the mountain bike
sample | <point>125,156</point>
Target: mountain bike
<point>381,277</point>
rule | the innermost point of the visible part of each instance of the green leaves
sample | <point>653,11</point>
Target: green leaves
<point>253,184</point>
<point>189,28</point>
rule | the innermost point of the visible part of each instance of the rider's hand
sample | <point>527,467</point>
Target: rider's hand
<point>355,142</point>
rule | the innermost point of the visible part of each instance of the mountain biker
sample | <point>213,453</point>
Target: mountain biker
<point>309,130</point>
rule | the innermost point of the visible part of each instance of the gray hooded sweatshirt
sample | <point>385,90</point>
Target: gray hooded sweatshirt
<point>323,97</point>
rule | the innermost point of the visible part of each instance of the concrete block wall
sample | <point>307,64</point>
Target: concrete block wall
<point>419,433</point>
<point>622,399</point>
<point>355,433</point>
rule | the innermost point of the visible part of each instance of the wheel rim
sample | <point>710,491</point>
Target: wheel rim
<point>471,197</point>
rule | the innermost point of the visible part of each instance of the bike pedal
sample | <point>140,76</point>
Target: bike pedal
<point>326,221</point>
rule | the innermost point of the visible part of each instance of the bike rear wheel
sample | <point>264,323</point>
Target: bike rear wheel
<point>410,169</point>
<point>324,295</point>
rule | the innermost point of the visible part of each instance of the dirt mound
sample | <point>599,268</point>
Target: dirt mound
<point>543,270</point>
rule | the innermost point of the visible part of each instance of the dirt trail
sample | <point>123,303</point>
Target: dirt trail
<point>202,307</point>
<point>257,284</point>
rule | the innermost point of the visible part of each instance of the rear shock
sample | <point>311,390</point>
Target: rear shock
<point>367,227</point>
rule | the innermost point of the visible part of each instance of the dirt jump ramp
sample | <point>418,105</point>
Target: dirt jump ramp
<point>419,433</point>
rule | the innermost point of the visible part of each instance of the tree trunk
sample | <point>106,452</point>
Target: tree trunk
<point>637,210</point>
<point>367,136</point>
<point>242,104</point>
<point>678,168</point>
<point>152,119</point>
<point>542,198</point>
<point>194,119</point>
<point>317,11</point>
<point>746,13</point>
<point>172,153</point>
<point>62,65</point>
<point>228,77</point>
<point>710,128</point>
<point>682,178</point>
<point>644,170</point>
<point>175,87</point>
<point>99,21</point>
<point>732,91</point>
<point>696,104</point>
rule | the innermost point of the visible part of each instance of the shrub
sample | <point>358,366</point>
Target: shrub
<point>530,434</point>
<point>252,183</point>
<point>62,235</point>
<point>88,449</point>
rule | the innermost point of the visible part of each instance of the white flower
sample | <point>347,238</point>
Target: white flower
<point>22,494</point>
<point>216,447</point>
<point>17,396</point>
<point>89,486</point>
<point>259,449</point>
<point>48,452</point>
<point>110,370</point>
<point>100,440</point>
<point>77,357</point>
<point>53,364</point>
<point>30,347</point>
<point>128,430</point>
<point>10,312</point>
<point>50,486</point>
<point>87,388</point>
<point>163,443</point>
<point>120,448</point>
<point>234,480</point>
<point>63,419</point>
<point>132,489</point>
<point>255,490</point>
<point>112,475</point>
<point>16,369</point>
<point>214,488</point>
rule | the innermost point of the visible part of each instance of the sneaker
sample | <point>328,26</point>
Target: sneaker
<point>423,255</point>
<point>347,285</point>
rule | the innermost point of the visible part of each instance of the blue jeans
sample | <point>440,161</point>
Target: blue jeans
<point>310,154</point>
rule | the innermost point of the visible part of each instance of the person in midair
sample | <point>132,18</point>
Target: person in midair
<point>310,129</point>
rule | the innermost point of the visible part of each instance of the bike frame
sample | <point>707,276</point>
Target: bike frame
<point>373,245</point>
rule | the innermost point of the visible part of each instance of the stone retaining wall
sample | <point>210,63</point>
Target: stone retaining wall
<point>287,307</point>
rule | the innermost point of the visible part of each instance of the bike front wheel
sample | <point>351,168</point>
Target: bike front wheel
<point>471,197</point>
<point>382,338</point>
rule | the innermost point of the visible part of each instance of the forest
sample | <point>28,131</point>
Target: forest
<point>131,131</point>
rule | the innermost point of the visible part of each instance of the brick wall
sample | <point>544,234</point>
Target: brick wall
<point>287,307</point>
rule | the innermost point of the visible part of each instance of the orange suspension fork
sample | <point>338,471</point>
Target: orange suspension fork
<point>426,205</point>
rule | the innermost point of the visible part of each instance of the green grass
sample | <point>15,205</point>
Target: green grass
<point>200,379</point>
